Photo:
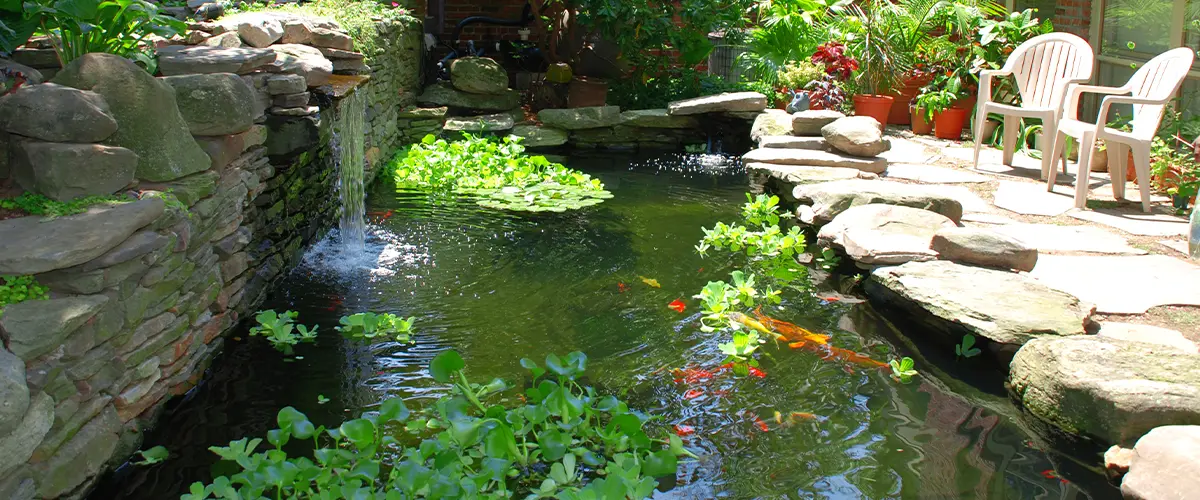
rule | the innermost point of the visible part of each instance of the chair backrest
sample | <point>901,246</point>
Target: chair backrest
<point>1043,65</point>
<point>1158,79</point>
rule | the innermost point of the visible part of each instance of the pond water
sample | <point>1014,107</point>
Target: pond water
<point>498,287</point>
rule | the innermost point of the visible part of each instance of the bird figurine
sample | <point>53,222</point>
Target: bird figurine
<point>799,101</point>
<point>10,80</point>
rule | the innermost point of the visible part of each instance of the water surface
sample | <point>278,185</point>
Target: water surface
<point>498,287</point>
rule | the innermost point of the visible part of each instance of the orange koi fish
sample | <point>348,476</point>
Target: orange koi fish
<point>621,287</point>
<point>757,373</point>
<point>790,331</point>
<point>650,282</point>
<point>827,352</point>
<point>754,325</point>
<point>691,375</point>
<point>762,426</point>
<point>693,394</point>
<point>684,430</point>
<point>677,305</point>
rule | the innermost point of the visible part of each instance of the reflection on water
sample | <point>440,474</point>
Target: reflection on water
<point>498,287</point>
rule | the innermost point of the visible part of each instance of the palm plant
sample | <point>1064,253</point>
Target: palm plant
<point>789,32</point>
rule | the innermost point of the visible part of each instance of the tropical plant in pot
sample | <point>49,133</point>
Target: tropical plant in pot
<point>876,39</point>
<point>829,92</point>
<point>936,105</point>
<point>1175,171</point>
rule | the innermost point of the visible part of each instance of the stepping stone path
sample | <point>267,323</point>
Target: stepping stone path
<point>810,123</point>
<point>856,136</point>
<point>1109,389</point>
<point>772,122</point>
<point>879,234</point>
<point>945,298</point>
<point>792,142</point>
<point>658,118</point>
<point>984,248</point>
<point>783,178</point>
<point>1165,464</point>
<point>729,101</point>
<point>1055,239</point>
<point>930,174</point>
<point>1032,199</point>
<point>1141,224</point>
<point>829,199</point>
<point>1133,332</point>
<point>1122,284</point>
<point>813,158</point>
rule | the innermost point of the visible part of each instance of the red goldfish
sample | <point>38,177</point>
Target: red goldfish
<point>790,331</point>
<point>677,305</point>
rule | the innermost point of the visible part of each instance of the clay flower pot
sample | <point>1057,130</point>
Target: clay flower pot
<point>948,124</point>
<point>899,114</point>
<point>874,106</point>
<point>920,125</point>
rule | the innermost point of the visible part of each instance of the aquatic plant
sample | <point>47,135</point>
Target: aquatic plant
<point>739,353</point>
<point>967,348</point>
<point>902,370</point>
<point>19,289</point>
<point>720,299</point>
<point>769,249</point>
<point>566,441</point>
<point>496,172</point>
<point>368,326</point>
<point>153,456</point>
<point>281,330</point>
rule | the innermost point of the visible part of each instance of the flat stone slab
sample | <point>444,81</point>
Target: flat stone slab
<point>1149,334</point>
<point>984,218</point>
<point>729,101</point>
<point>1122,284</point>
<point>990,162</point>
<point>1132,195</point>
<point>908,151</point>
<point>832,198</point>
<point>482,123</point>
<point>786,177</point>
<point>1139,223</point>
<point>970,201</point>
<point>580,118</point>
<point>1031,199</point>
<point>1178,246</point>
<point>1005,309</point>
<point>657,118</point>
<point>32,245</point>
<point>1165,464</point>
<point>1108,389</point>
<point>930,174</point>
<point>877,234</point>
<point>793,142</point>
<point>1055,239</point>
<point>536,136</point>
<point>813,158</point>
<point>983,247</point>
<point>185,59</point>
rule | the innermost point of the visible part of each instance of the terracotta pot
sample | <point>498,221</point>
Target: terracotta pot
<point>874,106</point>
<point>920,125</point>
<point>1130,172</point>
<point>585,92</point>
<point>1099,160</point>
<point>948,124</point>
<point>899,114</point>
<point>967,103</point>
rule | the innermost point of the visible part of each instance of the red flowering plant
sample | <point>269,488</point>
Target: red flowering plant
<point>829,92</point>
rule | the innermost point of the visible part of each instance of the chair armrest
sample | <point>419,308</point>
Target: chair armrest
<point>984,93</point>
<point>1122,99</point>
<point>1074,91</point>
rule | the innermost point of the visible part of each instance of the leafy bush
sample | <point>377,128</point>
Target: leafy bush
<point>77,27</point>
<point>19,289</point>
<point>656,92</point>
<point>567,441</point>
<point>357,17</point>
<point>36,204</point>
<point>798,75</point>
<point>498,173</point>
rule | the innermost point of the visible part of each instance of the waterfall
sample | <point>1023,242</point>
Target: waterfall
<point>348,131</point>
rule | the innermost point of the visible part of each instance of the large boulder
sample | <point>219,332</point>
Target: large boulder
<point>188,59</point>
<point>535,136</point>
<point>580,118</point>
<point>14,392</point>
<point>259,30</point>
<point>444,94</point>
<point>1112,390</point>
<point>52,112</point>
<point>814,158</point>
<point>148,118</point>
<point>729,101</point>
<point>65,171</point>
<point>304,61</point>
<point>771,122</point>
<point>478,75</point>
<point>782,179</point>
<point>1165,464</point>
<point>1002,309</point>
<point>832,198</point>
<point>17,446</point>
<point>214,103</point>
<point>983,247</point>
<point>30,245</point>
<point>657,118</point>
<point>809,123</point>
<point>856,135</point>
<point>884,234</point>
<point>32,76</point>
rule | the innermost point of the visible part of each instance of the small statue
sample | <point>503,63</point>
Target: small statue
<point>799,101</point>
<point>10,80</point>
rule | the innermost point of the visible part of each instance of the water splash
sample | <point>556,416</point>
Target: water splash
<point>349,130</point>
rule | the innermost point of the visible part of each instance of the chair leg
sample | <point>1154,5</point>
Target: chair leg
<point>1049,154</point>
<point>1057,149</point>
<point>1085,165</point>
<point>1012,130</point>
<point>1141,165</point>
<point>1117,154</point>
<point>978,134</point>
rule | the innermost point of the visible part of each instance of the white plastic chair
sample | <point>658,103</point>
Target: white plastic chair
<point>1043,67</point>
<point>1149,89</point>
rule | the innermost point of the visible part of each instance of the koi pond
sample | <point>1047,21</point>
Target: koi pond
<point>614,281</point>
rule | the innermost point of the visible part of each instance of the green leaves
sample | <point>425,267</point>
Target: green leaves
<point>967,348</point>
<point>14,289</point>
<point>902,370</point>
<point>369,326</point>
<point>152,456</point>
<point>444,365</point>
<point>498,173</point>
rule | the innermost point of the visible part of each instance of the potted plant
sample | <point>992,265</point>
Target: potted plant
<point>937,103</point>
<point>920,119</point>
<point>1175,172</point>
<point>829,91</point>
<point>794,78</point>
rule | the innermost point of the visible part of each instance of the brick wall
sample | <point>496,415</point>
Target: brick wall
<point>457,10</point>
<point>1073,16</point>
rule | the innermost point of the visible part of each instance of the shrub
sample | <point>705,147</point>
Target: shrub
<point>77,27</point>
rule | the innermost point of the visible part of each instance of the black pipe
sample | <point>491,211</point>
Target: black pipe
<point>526,17</point>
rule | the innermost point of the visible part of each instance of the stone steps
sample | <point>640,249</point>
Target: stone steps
<point>814,158</point>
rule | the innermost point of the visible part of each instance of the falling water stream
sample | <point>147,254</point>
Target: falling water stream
<point>348,133</point>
